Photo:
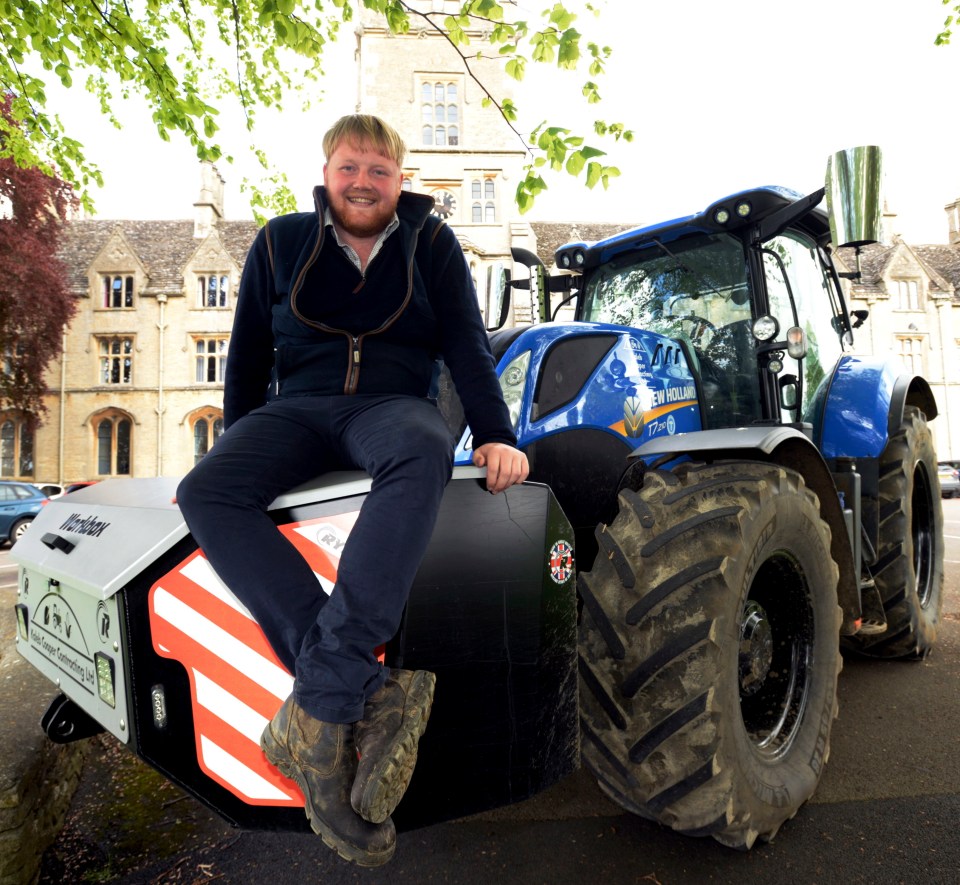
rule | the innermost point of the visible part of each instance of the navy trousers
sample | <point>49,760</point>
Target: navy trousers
<point>327,643</point>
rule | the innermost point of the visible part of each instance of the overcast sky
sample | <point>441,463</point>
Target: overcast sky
<point>722,96</point>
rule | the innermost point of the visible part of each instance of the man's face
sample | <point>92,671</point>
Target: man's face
<point>363,187</point>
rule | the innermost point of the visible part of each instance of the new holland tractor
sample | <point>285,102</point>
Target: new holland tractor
<point>744,496</point>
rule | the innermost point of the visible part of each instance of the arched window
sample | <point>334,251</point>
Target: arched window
<point>477,213</point>
<point>489,189</point>
<point>207,429</point>
<point>475,189</point>
<point>490,213</point>
<point>112,432</point>
<point>16,447</point>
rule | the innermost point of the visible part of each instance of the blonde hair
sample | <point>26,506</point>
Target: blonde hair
<point>365,129</point>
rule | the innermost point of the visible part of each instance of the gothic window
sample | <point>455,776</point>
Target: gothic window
<point>908,295</point>
<point>16,447</point>
<point>910,348</point>
<point>116,360</point>
<point>489,189</point>
<point>112,438</point>
<point>476,189</point>
<point>213,290</point>
<point>476,214</point>
<point>440,113</point>
<point>207,429</point>
<point>117,291</point>
<point>211,359</point>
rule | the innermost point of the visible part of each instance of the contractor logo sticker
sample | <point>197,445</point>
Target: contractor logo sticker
<point>561,562</point>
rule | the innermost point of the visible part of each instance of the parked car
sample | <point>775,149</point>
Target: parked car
<point>949,479</point>
<point>80,485</point>
<point>51,489</point>
<point>20,502</point>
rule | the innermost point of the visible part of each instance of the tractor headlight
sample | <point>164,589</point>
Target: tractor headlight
<point>513,382</point>
<point>765,328</point>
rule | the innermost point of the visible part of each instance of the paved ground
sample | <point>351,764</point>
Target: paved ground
<point>886,811</point>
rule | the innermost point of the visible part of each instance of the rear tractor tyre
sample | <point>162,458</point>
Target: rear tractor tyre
<point>909,567</point>
<point>709,650</point>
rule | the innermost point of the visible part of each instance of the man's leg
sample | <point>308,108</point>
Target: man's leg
<point>406,447</point>
<point>404,444</point>
<point>224,500</point>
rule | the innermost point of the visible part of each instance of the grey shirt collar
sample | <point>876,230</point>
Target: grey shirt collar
<point>349,251</point>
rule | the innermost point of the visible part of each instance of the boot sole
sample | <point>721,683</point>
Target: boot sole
<point>377,798</point>
<point>280,759</point>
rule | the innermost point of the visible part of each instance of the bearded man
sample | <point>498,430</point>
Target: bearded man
<point>343,317</point>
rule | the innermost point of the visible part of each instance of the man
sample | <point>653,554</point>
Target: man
<point>341,318</point>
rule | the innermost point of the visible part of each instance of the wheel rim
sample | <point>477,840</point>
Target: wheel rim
<point>776,652</point>
<point>20,531</point>
<point>922,532</point>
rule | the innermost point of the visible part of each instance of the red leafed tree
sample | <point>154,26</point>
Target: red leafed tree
<point>34,301</point>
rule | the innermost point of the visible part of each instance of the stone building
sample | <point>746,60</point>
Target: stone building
<point>138,387</point>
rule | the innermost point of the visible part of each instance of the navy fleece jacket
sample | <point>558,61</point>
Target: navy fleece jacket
<point>309,323</point>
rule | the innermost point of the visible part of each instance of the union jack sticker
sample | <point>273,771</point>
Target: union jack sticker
<point>561,561</point>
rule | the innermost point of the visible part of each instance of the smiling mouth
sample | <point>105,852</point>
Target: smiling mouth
<point>358,200</point>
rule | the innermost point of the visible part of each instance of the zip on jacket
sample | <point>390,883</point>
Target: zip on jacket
<point>355,341</point>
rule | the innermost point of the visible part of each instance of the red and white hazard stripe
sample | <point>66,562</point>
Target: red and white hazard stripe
<point>236,681</point>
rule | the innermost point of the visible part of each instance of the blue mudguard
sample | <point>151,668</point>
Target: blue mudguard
<point>864,402</point>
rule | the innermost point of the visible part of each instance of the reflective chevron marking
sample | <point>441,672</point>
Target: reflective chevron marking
<point>236,681</point>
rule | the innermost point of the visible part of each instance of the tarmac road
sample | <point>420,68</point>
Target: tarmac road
<point>887,810</point>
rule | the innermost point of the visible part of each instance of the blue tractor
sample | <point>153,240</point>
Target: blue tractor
<point>743,496</point>
<point>747,496</point>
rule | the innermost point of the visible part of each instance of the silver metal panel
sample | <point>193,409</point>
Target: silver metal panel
<point>68,631</point>
<point>117,528</point>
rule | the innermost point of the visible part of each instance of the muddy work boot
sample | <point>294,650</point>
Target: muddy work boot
<point>393,720</point>
<point>322,759</point>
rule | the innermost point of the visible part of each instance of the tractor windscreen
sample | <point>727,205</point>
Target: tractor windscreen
<point>695,290</point>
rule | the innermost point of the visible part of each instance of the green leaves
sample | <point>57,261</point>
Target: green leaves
<point>943,38</point>
<point>186,59</point>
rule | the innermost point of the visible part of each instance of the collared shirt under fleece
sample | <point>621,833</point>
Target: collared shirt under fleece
<point>310,322</point>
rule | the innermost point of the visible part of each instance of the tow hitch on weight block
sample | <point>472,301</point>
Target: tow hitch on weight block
<point>64,722</point>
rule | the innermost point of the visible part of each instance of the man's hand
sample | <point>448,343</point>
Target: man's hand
<point>505,465</point>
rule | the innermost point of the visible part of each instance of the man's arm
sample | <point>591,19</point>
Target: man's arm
<point>506,465</point>
<point>466,351</point>
<point>250,351</point>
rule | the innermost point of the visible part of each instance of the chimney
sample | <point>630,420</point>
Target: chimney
<point>953,222</point>
<point>208,209</point>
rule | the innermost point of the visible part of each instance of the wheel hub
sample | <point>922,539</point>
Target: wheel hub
<point>756,648</point>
